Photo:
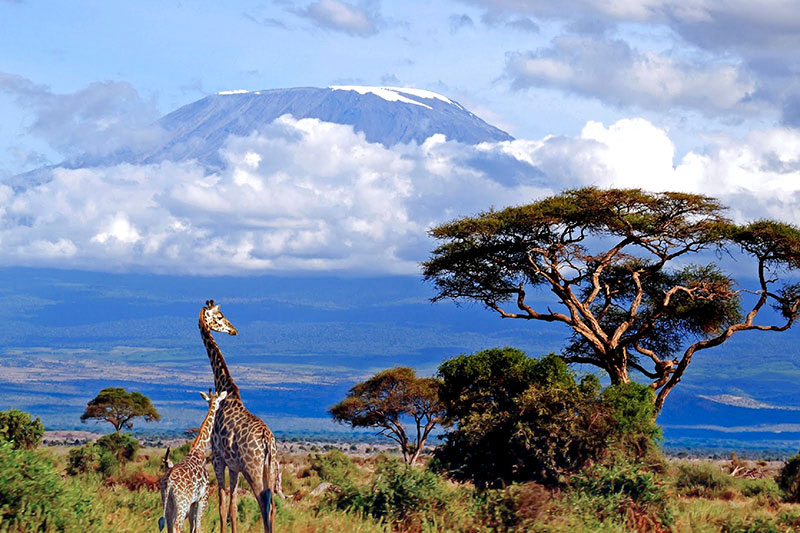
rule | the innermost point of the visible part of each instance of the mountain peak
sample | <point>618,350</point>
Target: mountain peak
<point>397,94</point>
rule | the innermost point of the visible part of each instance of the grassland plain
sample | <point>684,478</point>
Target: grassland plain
<point>364,490</point>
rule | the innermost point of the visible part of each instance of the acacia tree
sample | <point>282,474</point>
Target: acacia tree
<point>120,407</point>
<point>617,263</point>
<point>386,399</point>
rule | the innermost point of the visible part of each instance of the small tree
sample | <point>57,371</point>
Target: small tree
<point>18,427</point>
<point>120,407</point>
<point>618,265</point>
<point>387,399</point>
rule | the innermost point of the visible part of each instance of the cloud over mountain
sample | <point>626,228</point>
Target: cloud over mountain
<point>308,195</point>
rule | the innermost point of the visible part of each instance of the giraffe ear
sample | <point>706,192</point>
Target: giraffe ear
<point>205,396</point>
<point>223,395</point>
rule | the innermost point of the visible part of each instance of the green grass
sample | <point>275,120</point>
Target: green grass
<point>380,495</point>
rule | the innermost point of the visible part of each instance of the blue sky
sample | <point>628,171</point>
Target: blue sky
<point>678,94</point>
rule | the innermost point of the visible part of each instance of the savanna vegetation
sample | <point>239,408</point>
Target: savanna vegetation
<point>524,443</point>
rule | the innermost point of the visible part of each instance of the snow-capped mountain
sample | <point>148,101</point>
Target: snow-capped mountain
<point>387,115</point>
<point>197,131</point>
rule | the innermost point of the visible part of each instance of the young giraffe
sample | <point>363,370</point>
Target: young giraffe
<point>241,442</point>
<point>184,488</point>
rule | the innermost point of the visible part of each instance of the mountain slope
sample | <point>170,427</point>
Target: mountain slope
<point>384,115</point>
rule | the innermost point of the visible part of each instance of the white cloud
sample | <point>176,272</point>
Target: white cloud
<point>99,119</point>
<point>615,73</point>
<point>340,16</point>
<point>309,195</point>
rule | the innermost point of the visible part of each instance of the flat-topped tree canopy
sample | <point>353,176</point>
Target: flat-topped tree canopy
<point>617,261</point>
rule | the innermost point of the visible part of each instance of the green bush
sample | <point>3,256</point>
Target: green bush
<point>399,494</point>
<point>789,478</point>
<point>86,458</point>
<point>122,446</point>
<point>104,456</point>
<point>621,491</point>
<point>703,480</point>
<point>633,412</point>
<point>16,426</point>
<point>516,508</point>
<point>33,497</point>
<point>333,466</point>
<point>518,419</point>
<point>764,489</point>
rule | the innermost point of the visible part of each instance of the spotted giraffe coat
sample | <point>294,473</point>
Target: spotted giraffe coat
<point>184,488</point>
<point>241,442</point>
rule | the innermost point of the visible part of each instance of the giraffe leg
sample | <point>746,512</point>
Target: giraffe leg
<point>234,511</point>
<point>263,494</point>
<point>180,517</point>
<point>193,525</point>
<point>196,514</point>
<point>222,492</point>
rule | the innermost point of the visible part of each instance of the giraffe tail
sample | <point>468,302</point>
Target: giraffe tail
<point>161,523</point>
<point>270,479</point>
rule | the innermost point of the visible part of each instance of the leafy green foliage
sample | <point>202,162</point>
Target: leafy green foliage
<point>18,427</point>
<point>625,491</point>
<point>333,466</point>
<point>702,480</point>
<point>33,497</point>
<point>120,407</point>
<point>632,414</point>
<point>520,419</point>
<point>83,459</point>
<point>106,455</point>
<point>122,447</point>
<point>518,507</point>
<point>398,493</point>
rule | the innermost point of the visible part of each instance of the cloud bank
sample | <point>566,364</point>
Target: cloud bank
<point>609,69</point>
<point>306,195</point>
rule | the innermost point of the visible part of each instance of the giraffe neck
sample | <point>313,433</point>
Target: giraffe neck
<point>222,377</point>
<point>203,439</point>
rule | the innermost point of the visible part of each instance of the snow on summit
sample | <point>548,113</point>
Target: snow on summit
<point>396,94</point>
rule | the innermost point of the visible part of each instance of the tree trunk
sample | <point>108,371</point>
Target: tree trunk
<point>617,367</point>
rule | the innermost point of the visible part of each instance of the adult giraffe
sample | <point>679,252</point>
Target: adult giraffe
<point>241,442</point>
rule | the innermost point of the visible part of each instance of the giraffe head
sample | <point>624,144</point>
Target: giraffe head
<point>214,399</point>
<point>215,320</point>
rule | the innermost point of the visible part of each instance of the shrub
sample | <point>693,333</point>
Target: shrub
<point>789,479</point>
<point>400,494</point>
<point>633,412</point>
<point>123,447</point>
<point>104,456</point>
<point>108,463</point>
<point>33,497</point>
<point>516,508</point>
<point>519,419</point>
<point>703,480</point>
<point>333,466</point>
<point>83,459</point>
<point>623,491</point>
<point>16,426</point>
